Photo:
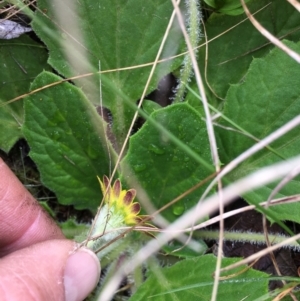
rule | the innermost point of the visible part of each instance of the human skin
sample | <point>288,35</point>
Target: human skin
<point>36,261</point>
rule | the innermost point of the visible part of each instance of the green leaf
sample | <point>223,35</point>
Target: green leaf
<point>150,106</point>
<point>90,36</point>
<point>65,135</point>
<point>192,279</point>
<point>21,60</point>
<point>230,7</point>
<point>269,98</point>
<point>74,230</point>
<point>238,46</point>
<point>166,167</point>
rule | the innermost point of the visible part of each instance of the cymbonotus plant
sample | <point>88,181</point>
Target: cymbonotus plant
<point>176,108</point>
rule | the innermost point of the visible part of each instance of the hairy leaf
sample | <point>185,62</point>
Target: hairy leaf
<point>21,60</point>
<point>66,137</point>
<point>90,36</point>
<point>192,279</point>
<point>230,55</point>
<point>269,98</point>
<point>164,167</point>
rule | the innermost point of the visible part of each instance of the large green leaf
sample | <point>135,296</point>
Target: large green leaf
<point>230,55</point>
<point>192,279</point>
<point>269,98</point>
<point>164,168</point>
<point>65,134</point>
<point>21,60</point>
<point>105,35</point>
<point>230,7</point>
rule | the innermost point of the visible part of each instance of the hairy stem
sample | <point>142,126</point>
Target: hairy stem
<point>256,238</point>
<point>193,19</point>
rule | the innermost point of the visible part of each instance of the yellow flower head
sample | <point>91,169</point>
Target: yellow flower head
<point>118,211</point>
<point>120,201</point>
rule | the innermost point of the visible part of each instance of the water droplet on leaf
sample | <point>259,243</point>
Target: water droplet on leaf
<point>178,209</point>
<point>155,149</point>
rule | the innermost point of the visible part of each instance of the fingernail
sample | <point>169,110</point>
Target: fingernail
<point>81,275</point>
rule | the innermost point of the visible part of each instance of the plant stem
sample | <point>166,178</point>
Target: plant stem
<point>256,238</point>
<point>193,20</point>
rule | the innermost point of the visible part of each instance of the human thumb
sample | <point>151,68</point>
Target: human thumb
<point>50,270</point>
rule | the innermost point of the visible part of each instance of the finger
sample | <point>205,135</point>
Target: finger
<point>49,271</point>
<point>22,220</point>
